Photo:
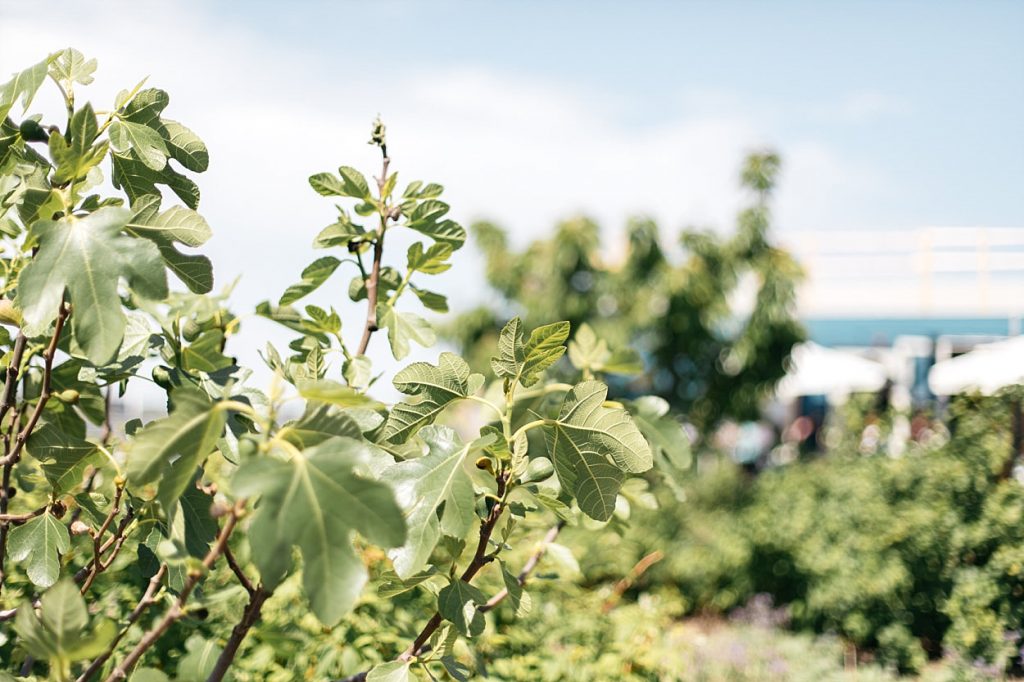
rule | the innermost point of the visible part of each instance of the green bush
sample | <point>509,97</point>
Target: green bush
<point>904,557</point>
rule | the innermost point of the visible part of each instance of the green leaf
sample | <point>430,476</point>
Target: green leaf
<point>315,501</point>
<point>517,597</point>
<point>199,661</point>
<point>23,85</point>
<point>459,603</point>
<point>70,66</point>
<point>327,391</point>
<point>75,159</point>
<point>433,261</point>
<point>350,184</point>
<point>313,276</point>
<point>581,441</point>
<point>435,386</point>
<point>147,144</point>
<point>87,256</point>
<point>319,423</point>
<point>167,451</point>
<point>40,542</point>
<point>339,233</point>
<point>395,671</point>
<point>403,328</point>
<point>589,353</point>
<point>185,147</point>
<point>431,300</point>
<point>423,484</point>
<point>524,361</point>
<point>137,180</point>
<point>427,219</point>
<point>62,455</point>
<point>176,224</point>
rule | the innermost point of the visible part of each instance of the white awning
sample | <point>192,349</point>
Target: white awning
<point>986,369</point>
<point>817,370</point>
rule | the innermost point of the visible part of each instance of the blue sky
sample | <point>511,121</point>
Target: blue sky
<point>930,94</point>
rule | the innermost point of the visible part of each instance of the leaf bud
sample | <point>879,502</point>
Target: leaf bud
<point>485,464</point>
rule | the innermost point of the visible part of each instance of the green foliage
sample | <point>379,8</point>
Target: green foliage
<point>709,360</point>
<point>905,557</point>
<point>182,533</point>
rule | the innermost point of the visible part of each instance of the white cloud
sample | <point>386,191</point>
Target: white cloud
<point>522,151</point>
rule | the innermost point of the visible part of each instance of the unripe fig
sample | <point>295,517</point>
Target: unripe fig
<point>538,469</point>
<point>162,377</point>
<point>31,131</point>
<point>247,447</point>
<point>69,395</point>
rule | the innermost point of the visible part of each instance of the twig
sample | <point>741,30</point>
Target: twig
<point>627,581</point>
<point>528,567</point>
<point>15,519</point>
<point>237,570</point>
<point>97,540</point>
<point>13,453</point>
<point>238,633</point>
<point>373,283</point>
<point>177,609</point>
<point>148,598</point>
<point>480,559</point>
<point>522,578</point>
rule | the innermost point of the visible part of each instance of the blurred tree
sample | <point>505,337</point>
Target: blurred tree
<point>708,354</point>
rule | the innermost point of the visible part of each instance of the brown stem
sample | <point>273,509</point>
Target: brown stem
<point>528,567</point>
<point>177,609</point>
<point>372,284</point>
<point>12,452</point>
<point>237,570</point>
<point>148,598</point>
<point>97,540</point>
<point>627,581</point>
<point>480,559</point>
<point>436,620</point>
<point>249,618</point>
<point>15,519</point>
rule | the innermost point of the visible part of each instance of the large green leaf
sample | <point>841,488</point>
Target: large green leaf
<point>338,233</point>
<point>70,66</point>
<point>175,225</point>
<point>167,451</point>
<point>425,483</point>
<point>320,422</point>
<point>524,361</point>
<point>315,501</point>
<point>24,85</point>
<point>39,542</point>
<point>315,274</point>
<point>592,445</point>
<point>459,602</point>
<point>185,147</point>
<point>61,633</point>
<point>435,386</point>
<point>86,257</point>
<point>393,671</point>
<point>62,455</point>
<point>76,158</point>
<point>148,145</point>
<point>403,328</point>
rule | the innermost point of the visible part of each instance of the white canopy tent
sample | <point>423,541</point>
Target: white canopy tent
<point>817,370</point>
<point>987,368</point>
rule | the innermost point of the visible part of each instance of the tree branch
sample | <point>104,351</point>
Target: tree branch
<point>373,283</point>
<point>148,598</point>
<point>480,559</point>
<point>177,609</point>
<point>249,618</point>
<point>522,578</point>
<point>13,453</point>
